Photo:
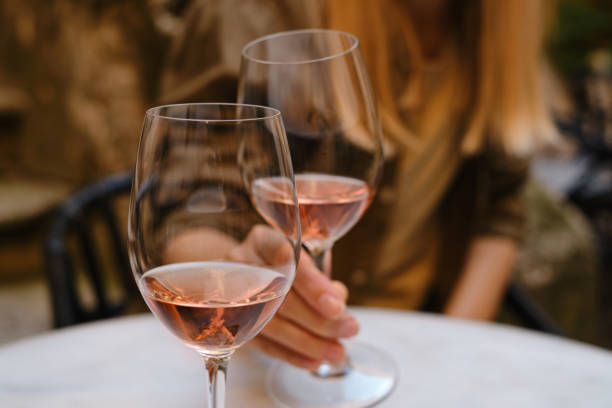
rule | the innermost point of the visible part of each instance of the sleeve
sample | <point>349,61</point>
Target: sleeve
<point>503,212</point>
<point>204,58</point>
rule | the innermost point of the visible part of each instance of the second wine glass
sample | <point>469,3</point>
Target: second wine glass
<point>318,80</point>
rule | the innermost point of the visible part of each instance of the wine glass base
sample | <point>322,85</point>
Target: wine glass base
<point>372,377</point>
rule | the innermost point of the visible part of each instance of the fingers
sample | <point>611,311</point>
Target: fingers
<point>267,246</point>
<point>324,296</point>
<point>245,253</point>
<point>341,289</point>
<point>295,310</point>
<point>275,350</point>
<point>302,342</point>
<point>271,246</point>
<point>263,246</point>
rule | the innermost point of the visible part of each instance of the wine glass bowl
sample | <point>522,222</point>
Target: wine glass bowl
<point>182,297</point>
<point>329,205</point>
<point>208,265</point>
<point>317,79</point>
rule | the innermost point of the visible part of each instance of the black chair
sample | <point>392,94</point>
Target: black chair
<point>592,194</point>
<point>72,237</point>
<point>520,303</point>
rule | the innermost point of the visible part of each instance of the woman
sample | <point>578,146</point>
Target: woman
<point>461,108</point>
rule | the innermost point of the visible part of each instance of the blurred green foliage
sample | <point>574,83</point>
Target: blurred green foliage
<point>582,26</point>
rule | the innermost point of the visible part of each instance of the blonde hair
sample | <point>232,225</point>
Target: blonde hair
<point>493,79</point>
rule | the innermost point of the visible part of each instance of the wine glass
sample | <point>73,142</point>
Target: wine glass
<point>208,265</point>
<point>318,80</point>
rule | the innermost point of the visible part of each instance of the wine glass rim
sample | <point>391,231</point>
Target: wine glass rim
<point>271,113</point>
<point>354,45</point>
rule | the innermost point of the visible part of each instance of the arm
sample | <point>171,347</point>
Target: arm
<point>492,250</point>
<point>482,283</point>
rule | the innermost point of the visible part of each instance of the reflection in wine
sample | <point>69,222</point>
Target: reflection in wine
<point>214,307</point>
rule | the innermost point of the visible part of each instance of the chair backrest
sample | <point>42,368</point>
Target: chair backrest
<point>520,303</point>
<point>73,237</point>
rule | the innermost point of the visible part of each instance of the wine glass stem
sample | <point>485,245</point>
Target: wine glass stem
<point>322,259</point>
<point>216,368</point>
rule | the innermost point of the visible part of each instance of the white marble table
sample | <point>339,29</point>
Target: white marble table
<point>135,362</point>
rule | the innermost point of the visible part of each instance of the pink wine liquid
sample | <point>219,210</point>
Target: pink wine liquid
<point>213,306</point>
<point>329,205</point>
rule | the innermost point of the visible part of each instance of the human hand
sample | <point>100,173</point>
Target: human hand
<point>305,330</point>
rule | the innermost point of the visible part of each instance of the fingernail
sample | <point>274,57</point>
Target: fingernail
<point>331,304</point>
<point>334,354</point>
<point>312,365</point>
<point>341,290</point>
<point>348,328</point>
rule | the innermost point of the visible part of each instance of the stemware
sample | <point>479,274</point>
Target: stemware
<point>317,79</point>
<point>208,265</point>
